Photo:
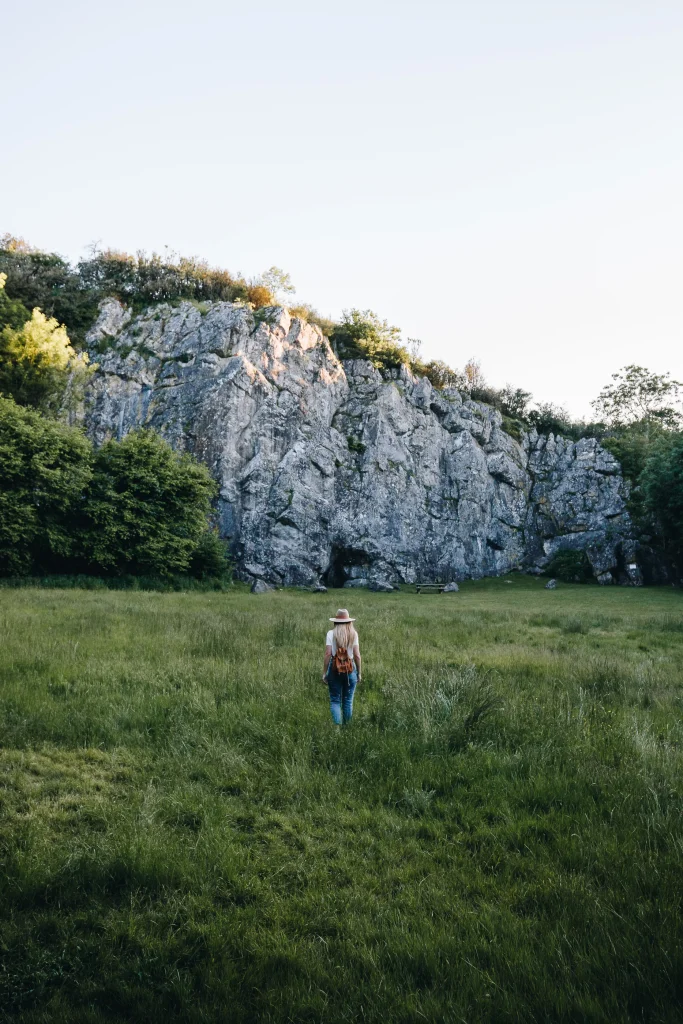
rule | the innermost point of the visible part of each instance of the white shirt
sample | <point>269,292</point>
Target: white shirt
<point>330,642</point>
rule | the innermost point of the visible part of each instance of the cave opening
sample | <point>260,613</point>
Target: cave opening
<point>343,560</point>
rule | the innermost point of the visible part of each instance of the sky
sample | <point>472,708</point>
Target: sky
<point>501,180</point>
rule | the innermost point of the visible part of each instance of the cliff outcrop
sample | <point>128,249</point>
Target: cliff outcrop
<point>334,471</point>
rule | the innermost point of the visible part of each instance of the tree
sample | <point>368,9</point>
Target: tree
<point>473,375</point>
<point>638,394</point>
<point>146,507</point>
<point>514,401</point>
<point>39,367</point>
<point>44,468</point>
<point>549,418</point>
<point>210,558</point>
<point>661,483</point>
<point>632,445</point>
<point>277,282</point>
<point>135,506</point>
<point>414,347</point>
<point>13,313</point>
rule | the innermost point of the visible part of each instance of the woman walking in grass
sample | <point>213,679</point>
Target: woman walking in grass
<point>342,669</point>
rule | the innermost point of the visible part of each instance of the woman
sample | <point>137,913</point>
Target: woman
<point>342,669</point>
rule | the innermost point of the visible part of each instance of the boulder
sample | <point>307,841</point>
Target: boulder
<point>380,586</point>
<point>605,579</point>
<point>260,587</point>
<point>551,585</point>
<point>319,589</point>
<point>451,588</point>
<point>356,583</point>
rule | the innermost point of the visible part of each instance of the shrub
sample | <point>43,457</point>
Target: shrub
<point>72,294</point>
<point>146,507</point>
<point>38,366</point>
<point>513,402</point>
<point>362,335</point>
<point>550,419</point>
<point>142,280</point>
<point>306,312</point>
<point>260,296</point>
<point>45,467</point>
<point>135,507</point>
<point>662,488</point>
<point>515,428</point>
<point>210,559</point>
<point>570,566</point>
<point>47,281</point>
<point>439,374</point>
<point>634,444</point>
<point>13,313</point>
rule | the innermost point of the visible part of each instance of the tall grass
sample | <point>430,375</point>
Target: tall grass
<point>496,837</point>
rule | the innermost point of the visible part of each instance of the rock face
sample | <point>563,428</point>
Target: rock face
<point>336,472</point>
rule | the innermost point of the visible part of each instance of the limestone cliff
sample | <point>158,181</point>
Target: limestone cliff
<point>337,471</point>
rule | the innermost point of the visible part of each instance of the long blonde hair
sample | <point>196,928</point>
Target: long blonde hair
<point>345,635</point>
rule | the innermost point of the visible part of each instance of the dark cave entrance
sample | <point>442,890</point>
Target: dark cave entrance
<point>343,560</point>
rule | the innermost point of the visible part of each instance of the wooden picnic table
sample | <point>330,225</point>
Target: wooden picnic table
<point>429,588</point>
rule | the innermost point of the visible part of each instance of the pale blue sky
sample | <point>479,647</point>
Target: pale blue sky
<point>499,179</point>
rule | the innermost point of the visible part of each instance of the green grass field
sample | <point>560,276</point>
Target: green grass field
<point>496,837</point>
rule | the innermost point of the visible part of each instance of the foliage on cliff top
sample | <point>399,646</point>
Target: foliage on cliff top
<point>72,294</point>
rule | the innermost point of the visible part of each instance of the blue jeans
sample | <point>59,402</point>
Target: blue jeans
<point>341,695</point>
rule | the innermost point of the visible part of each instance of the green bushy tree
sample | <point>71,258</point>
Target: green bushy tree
<point>640,396</point>
<point>13,313</point>
<point>45,468</point>
<point>133,507</point>
<point>549,418</point>
<point>633,444</point>
<point>514,402</point>
<point>661,484</point>
<point>643,414</point>
<point>146,507</point>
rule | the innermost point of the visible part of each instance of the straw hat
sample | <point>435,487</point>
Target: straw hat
<point>342,616</point>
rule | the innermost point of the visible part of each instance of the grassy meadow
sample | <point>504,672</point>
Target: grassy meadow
<point>496,837</point>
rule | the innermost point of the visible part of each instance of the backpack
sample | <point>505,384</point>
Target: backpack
<point>341,663</point>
